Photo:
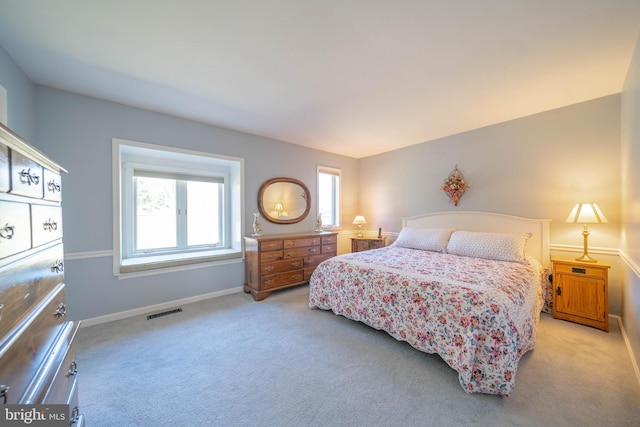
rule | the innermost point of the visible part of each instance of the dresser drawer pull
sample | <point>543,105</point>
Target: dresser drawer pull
<point>58,267</point>
<point>268,282</point>
<point>29,178</point>
<point>1,307</point>
<point>291,243</point>
<point>578,270</point>
<point>61,311</point>
<point>75,416</point>
<point>54,186</point>
<point>73,369</point>
<point>268,269</point>
<point>296,277</point>
<point>50,225</point>
<point>272,245</point>
<point>4,392</point>
<point>6,232</point>
<point>295,264</point>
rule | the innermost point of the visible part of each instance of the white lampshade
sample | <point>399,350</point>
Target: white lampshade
<point>359,220</point>
<point>586,213</point>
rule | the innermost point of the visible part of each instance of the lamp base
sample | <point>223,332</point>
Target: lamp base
<point>586,258</point>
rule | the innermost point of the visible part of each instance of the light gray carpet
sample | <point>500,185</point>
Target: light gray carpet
<point>230,361</point>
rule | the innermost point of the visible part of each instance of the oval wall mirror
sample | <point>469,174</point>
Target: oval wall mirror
<point>284,200</point>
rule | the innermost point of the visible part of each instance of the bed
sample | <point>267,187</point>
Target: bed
<point>468,286</point>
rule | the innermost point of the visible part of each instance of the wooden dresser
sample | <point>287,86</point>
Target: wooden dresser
<point>281,261</point>
<point>37,344</point>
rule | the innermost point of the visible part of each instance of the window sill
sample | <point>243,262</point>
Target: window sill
<point>168,263</point>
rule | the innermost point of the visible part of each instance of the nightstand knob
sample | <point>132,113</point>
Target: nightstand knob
<point>558,290</point>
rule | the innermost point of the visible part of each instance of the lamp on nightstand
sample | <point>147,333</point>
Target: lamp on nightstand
<point>586,213</point>
<point>360,221</point>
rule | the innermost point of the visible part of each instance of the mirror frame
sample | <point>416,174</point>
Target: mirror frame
<point>269,218</point>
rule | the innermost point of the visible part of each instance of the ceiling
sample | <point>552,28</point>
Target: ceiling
<point>353,77</point>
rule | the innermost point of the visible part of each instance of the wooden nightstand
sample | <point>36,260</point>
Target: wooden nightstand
<point>581,292</point>
<point>359,244</point>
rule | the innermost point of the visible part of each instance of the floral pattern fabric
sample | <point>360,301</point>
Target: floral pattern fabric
<point>479,315</point>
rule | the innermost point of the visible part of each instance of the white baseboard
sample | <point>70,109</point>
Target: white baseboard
<point>157,307</point>
<point>628,344</point>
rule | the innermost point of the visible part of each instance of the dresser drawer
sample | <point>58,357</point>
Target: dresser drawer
<point>24,283</point>
<point>52,186</point>
<point>301,252</point>
<point>282,279</point>
<point>314,260</point>
<point>55,383</point>
<point>301,243</point>
<point>271,256</point>
<point>4,168</point>
<point>581,270</point>
<point>329,249</point>
<point>47,224</point>
<point>270,245</point>
<point>15,228</point>
<point>26,176</point>
<point>25,349</point>
<point>280,266</point>
<point>328,240</point>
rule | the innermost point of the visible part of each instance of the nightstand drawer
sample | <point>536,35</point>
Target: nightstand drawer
<point>583,270</point>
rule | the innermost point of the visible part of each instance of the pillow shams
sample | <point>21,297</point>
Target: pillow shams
<point>426,239</point>
<point>495,246</point>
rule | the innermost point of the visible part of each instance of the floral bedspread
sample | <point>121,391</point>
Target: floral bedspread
<point>479,315</point>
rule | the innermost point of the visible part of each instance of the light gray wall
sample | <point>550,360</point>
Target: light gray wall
<point>538,167</point>
<point>630,156</point>
<point>20,97</point>
<point>77,131</point>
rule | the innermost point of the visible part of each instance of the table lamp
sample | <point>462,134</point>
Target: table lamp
<point>586,213</point>
<point>360,221</point>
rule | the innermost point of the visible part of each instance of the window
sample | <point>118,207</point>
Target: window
<point>175,213</point>
<point>174,207</point>
<point>329,196</point>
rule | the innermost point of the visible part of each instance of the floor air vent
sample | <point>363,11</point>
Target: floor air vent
<point>164,313</point>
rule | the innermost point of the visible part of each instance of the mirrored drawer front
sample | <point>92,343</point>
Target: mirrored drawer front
<point>26,176</point>
<point>4,169</point>
<point>15,228</point>
<point>52,186</point>
<point>47,224</point>
<point>26,282</point>
<point>28,346</point>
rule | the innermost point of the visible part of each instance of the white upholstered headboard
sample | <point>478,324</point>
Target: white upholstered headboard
<point>538,229</point>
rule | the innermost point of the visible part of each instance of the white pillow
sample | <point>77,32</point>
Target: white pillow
<point>496,246</point>
<point>426,239</point>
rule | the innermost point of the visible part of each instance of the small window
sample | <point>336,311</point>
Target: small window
<point>329,196</point>
<point>174,207</point>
